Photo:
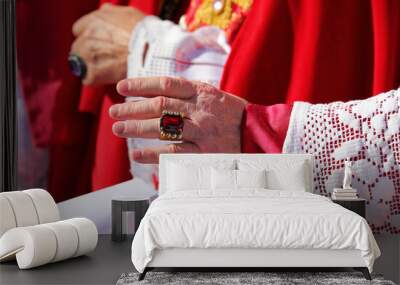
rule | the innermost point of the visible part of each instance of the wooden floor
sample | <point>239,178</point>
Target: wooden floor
<point>102,266</point>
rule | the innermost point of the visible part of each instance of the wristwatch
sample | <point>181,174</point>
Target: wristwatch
<point>77,65</point>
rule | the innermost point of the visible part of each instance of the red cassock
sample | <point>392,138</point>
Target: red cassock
<point>316,51</point>
<point>52,93</point>
<point>68,119</point>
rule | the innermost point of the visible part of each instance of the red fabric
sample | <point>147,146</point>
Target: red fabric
<point>264,128</point>
<point>51,93</point>
<point>316,51</point>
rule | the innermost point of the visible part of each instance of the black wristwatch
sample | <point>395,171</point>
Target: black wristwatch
<point>77,65</point>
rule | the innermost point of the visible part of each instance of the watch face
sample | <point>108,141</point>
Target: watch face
<point>77,66</point>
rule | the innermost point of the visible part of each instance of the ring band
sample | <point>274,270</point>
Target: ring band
<point>171,126</point>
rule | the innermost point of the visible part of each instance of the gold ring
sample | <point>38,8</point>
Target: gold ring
<point>171,126</point>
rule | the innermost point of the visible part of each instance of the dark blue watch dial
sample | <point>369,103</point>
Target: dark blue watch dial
<point>77,66</point>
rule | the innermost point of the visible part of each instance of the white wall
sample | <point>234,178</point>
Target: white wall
<point>97,205</point>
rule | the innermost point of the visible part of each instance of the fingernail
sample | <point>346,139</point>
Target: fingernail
<point>118,128</point>
<point>123,86</point>
<point>113,111</point>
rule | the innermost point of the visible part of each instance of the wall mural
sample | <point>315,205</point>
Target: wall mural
<point>230,70</point>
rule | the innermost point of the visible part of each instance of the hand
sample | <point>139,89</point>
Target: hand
<point>102,42</point>
<point>212,117</point>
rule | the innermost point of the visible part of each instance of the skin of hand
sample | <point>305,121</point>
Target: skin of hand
<point>102,39</point>
<point>212,120</point>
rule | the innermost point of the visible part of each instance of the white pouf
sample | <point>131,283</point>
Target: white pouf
<point>37,245</point>
<point>23,208</point>
<point>26,208</point>
<point>67,237</point>
<point>32,246</point>
<point>31,232</point>
<point>45,205</point>
<point>7,218</point>
<point>87,233</point>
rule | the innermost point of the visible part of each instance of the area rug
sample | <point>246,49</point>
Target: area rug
<point>243,278</point>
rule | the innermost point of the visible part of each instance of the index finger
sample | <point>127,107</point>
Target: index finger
<point>156,86</point>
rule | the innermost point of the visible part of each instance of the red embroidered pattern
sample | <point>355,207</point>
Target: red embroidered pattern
<point>367,132</point>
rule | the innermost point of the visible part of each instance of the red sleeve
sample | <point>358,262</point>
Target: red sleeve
<point>264,128</point>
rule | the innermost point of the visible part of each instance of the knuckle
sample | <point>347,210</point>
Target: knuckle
<point>76,27</point>
<point>123,110</point>
<point>128,128</point>
<point>75,46</point>
<point>161,104</point>
<point>130,108</point>
<point>105,6</point>
<point>93,56</point>
<point>139,128</point>
<point>205,88</point>
<point>137,83</point>
<point>166,83</point>
<point>189,109</point>
<point>73,49</point>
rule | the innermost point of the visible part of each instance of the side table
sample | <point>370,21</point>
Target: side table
<point>355,205</point>
<point>120,206</point>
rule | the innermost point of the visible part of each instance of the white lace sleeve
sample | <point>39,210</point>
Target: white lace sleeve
<point>367,132</point>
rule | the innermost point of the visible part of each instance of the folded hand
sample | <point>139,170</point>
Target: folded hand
<point>102,42</point>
